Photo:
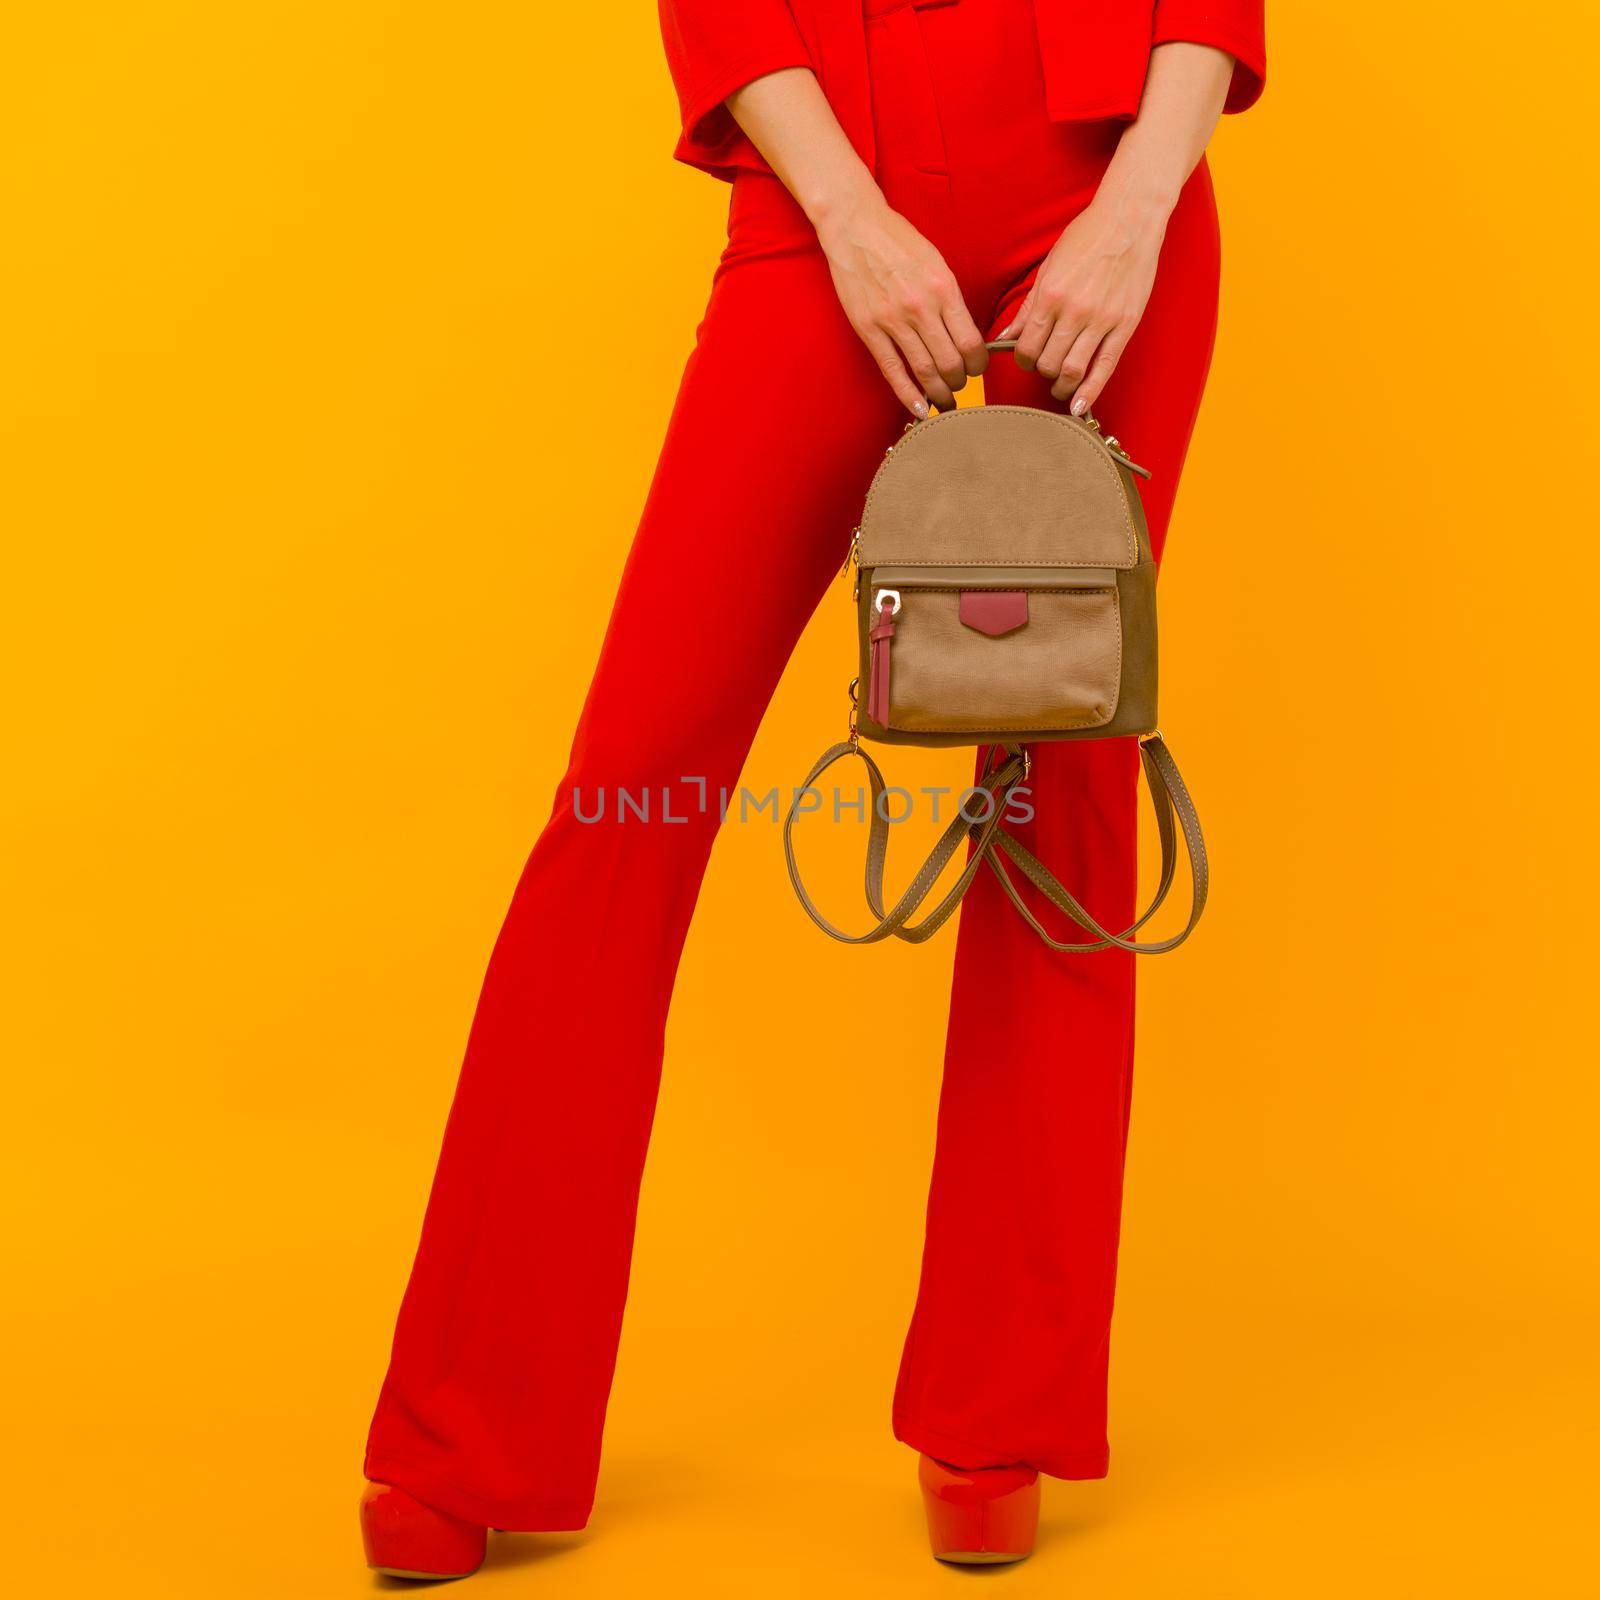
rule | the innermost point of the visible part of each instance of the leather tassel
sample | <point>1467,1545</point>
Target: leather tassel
<point>878,690</point>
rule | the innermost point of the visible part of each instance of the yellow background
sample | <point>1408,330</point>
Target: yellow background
<point>339,342</point>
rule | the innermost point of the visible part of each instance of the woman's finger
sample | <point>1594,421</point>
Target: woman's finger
<point>894,371</point>
<point>1014,326</point>
<point>950,364</point>
<point>1100,370</point>
<point>924,370</point>
<point>1076,362</point>
<point>964,335</point>
<point>1034,332</point>
<point>1063,335</point>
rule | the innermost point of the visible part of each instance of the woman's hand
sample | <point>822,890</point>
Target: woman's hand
<point>903,300</point>
<point>894,286</point>
<point>1088,297</point>
<point>1094,285</point>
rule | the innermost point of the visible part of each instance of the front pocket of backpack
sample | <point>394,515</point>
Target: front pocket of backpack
<point>975,650</point>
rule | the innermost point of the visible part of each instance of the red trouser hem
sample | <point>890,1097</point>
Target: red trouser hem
<point>956,1452</point>
<point>443,1495</point>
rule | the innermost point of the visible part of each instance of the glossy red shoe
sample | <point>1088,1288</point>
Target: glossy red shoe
<point>988,1515</point>
<point>406,1539</point>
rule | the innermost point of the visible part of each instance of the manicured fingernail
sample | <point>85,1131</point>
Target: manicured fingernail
<point>921,408</point>
<point>1079,406</point>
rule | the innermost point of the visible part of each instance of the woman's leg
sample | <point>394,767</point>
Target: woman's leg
<point>503,1355</point>
<point>1006,1358</point>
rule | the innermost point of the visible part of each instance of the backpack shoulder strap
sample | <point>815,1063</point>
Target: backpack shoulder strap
<point>1169,796</point>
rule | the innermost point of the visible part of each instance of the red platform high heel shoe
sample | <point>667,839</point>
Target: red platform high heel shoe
<point>406,1539</point>
<point>989,1515</point>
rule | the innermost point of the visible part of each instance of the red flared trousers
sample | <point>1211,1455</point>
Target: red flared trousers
<point>503,1355</point>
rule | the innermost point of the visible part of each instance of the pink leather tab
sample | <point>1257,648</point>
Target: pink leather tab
<point>881,632</point>
<point>994,611</point>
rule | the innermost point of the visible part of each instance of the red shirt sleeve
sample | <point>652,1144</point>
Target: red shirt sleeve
<point>713,48</point>
<point>1237,26</point>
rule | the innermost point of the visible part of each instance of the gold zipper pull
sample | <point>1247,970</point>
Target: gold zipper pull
<point>1114,445</point>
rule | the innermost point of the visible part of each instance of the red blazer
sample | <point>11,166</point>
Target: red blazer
<point>1095,53</point>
